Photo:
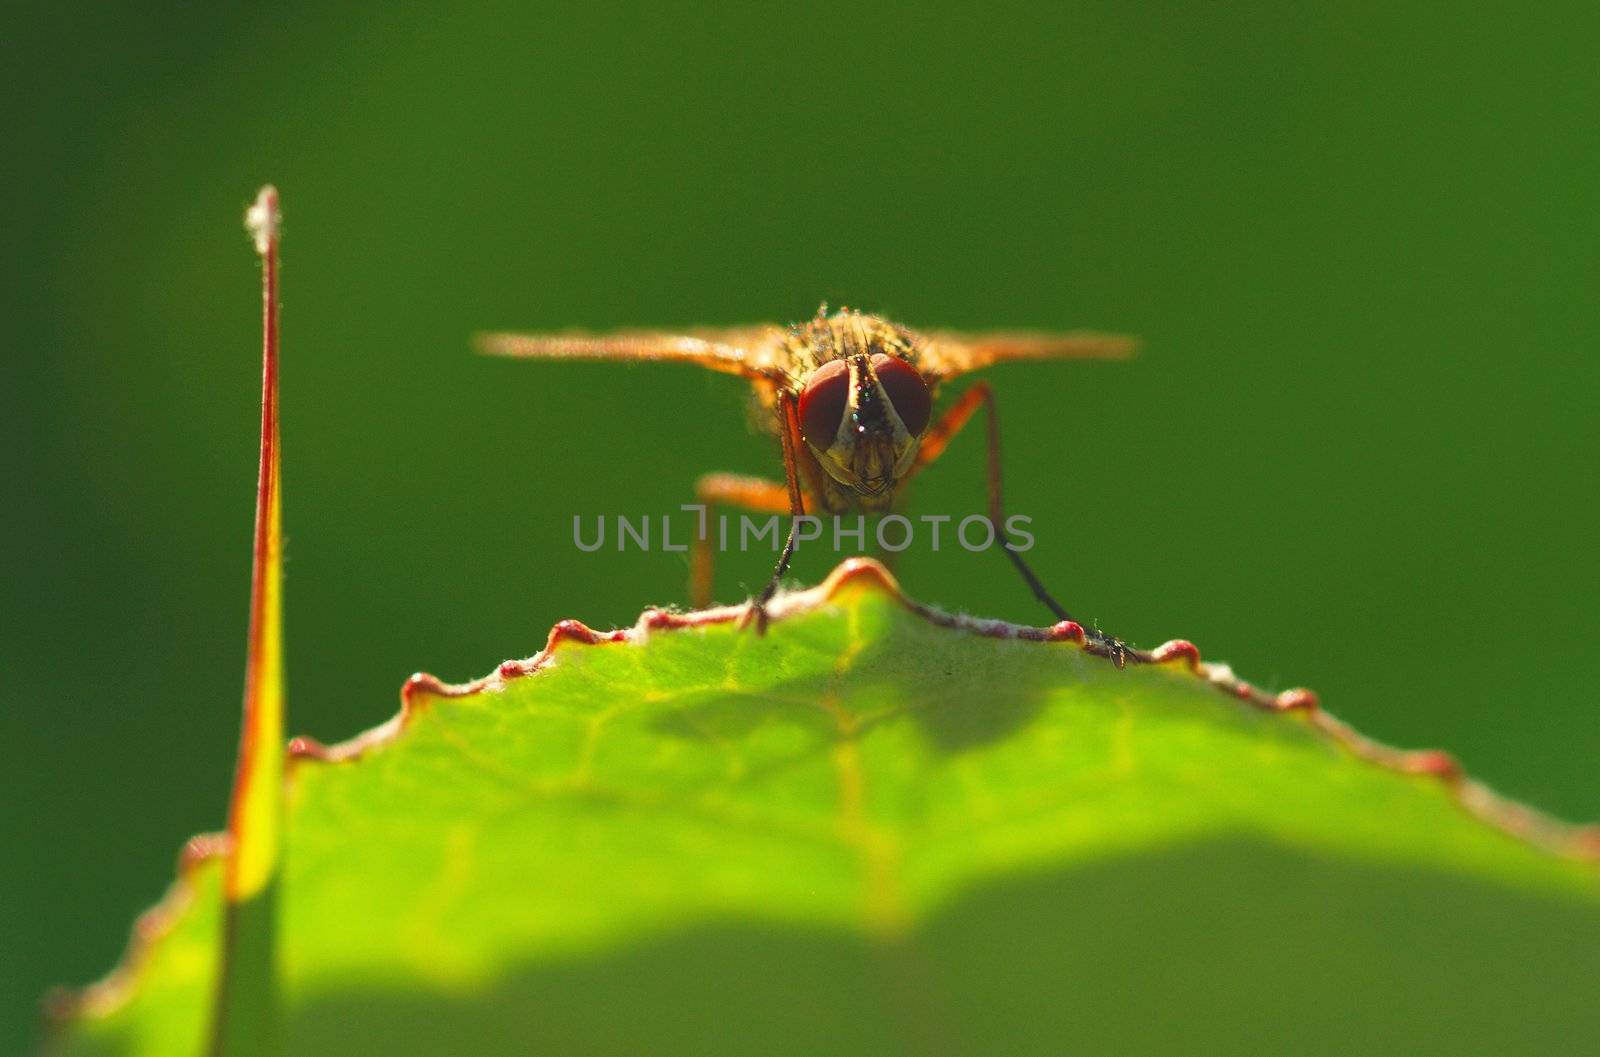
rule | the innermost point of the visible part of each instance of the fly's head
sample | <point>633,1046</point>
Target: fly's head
<point>863,416</point>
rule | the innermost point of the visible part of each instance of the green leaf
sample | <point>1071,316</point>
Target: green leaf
<point>881,829</point>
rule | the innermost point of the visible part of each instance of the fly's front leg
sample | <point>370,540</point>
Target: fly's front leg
<point>890,558</point>
<point>750,493</point>
<point>789,434</point>
<point>934,443</point>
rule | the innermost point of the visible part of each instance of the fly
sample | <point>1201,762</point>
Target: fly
<point>850,396</point>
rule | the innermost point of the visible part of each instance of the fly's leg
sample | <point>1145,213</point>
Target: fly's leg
<point>887,558</point>
<point>934,443</point>
<point>890,559</point>
<point>789,434</point>
<point>759,495</point>
<point>750,493</point>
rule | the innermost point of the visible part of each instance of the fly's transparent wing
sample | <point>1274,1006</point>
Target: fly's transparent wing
<point>947,353</point>
<point>753,352</point>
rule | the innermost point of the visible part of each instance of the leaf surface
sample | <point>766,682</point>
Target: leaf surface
<point>672,836</point>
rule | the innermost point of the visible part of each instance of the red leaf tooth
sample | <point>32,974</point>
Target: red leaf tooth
<point>64,1004</point>
<point>1178,651</point>
<point>1066,631</point>
<point>1296,700</point>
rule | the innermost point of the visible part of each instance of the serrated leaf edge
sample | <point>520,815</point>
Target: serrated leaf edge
<point>1517,820</point>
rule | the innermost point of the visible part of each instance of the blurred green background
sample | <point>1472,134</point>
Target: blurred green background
<point>1357,452</point>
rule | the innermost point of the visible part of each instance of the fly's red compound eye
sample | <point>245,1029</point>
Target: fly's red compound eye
<point>823,402</point>
<point>906,391</point>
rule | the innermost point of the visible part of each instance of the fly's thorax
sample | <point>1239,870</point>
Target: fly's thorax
<point>842,335</point>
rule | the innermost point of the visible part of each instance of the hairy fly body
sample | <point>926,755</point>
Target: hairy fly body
<point>850,396</point>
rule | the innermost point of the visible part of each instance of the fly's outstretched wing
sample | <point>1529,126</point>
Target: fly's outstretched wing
<point>753,352</point>
<point>947,353</point>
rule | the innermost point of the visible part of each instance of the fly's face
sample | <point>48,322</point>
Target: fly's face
<point>863,417</point>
